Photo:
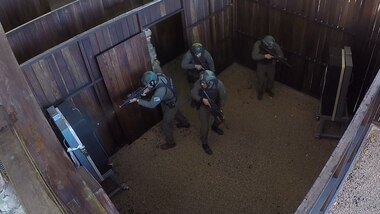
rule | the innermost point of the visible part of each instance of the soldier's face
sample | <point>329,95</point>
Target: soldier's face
<point>203,84</point>
<point>198,55</point>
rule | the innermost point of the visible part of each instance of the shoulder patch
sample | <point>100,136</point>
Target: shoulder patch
<point>156,99</point>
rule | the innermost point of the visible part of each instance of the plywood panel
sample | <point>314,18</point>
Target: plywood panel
<point>195,10</point>
<point>122,68</point>
<point>14,13</point>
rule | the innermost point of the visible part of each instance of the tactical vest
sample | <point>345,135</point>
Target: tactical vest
<point>263,52</point>
<point>200,61</point>
<point>167,99</point>
<point>211,90</point>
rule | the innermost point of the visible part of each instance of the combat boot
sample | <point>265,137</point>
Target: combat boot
<point>260,95</point>
<point>207,149</point>
<point>217,130</point>
<point>167,146</point>
<point>270,93</point>
<point>183,125</point>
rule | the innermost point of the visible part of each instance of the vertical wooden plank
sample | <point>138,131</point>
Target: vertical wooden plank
<point>89,55</point>
<point>75,64</point>
<point>35,86</point>
<point>64,71</point>
<point>118,27</point>
<point>40,75</point>
<point>57,77</point>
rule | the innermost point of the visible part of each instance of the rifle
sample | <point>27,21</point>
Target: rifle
<point>275,56</point>
<point>135,94</point>
<point>215,110</point>
<point>199,61</point>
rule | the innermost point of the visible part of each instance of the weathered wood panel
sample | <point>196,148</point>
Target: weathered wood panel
<point>20,173</point>
<point>63,24</point>
<point>154,12</point>
<point>211,27</point>
<point>168,39</point>
<point>57,75</point>
<point>64,74</point>
<point>14,13</point>
<point>40,141</point>
<point>122,68</point>
<point>221,26</point>
<point>195,11</point>
<point>366,46</point>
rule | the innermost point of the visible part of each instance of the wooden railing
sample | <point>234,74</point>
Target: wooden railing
<point>324,188</point>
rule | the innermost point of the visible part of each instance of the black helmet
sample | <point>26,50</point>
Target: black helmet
<point>149,79</point>
<point>269,41</point>
<point>197,48</point>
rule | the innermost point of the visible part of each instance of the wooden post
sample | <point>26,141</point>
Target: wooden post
<point>61,188</point>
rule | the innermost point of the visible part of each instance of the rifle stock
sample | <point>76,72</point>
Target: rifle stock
<point>135,94</point>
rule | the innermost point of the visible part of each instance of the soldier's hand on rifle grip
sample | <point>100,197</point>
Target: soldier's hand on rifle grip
<point>206,102</point>
<point>145,92</point>
<point>133,100</point>
<point>268,56</point>
<point>199,67</point>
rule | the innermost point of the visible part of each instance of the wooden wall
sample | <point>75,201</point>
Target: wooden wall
<point>51,29</point>
<point>30,144</point>
<point>121,68</point>
<point>305,30</point>
<point>168,38</point>
<point>70,71</point>
<point>14,13</point>
<point>210,23</point>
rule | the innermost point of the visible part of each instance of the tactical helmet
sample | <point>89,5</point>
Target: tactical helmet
<point>149,79</point>
<point>207,76</point>
<point>269,41</point>
<point>197,48</point>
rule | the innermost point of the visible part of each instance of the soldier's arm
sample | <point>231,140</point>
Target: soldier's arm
<point>256,55</point>
<point>155,100</point>
<point>186,61</point>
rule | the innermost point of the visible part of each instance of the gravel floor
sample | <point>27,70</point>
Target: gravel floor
<point>264,163</point>
<point>360,192</point>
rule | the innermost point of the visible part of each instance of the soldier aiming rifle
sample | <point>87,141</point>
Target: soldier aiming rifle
<point>138,93</point>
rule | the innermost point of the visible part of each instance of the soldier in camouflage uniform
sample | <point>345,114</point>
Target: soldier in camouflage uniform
<point>196,60</point>
<point>164,93</point>
<point>207,90</point>
<point>152,52</point>
<point>266,64</point>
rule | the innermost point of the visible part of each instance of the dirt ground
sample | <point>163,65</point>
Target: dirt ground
<point>265,162</point>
